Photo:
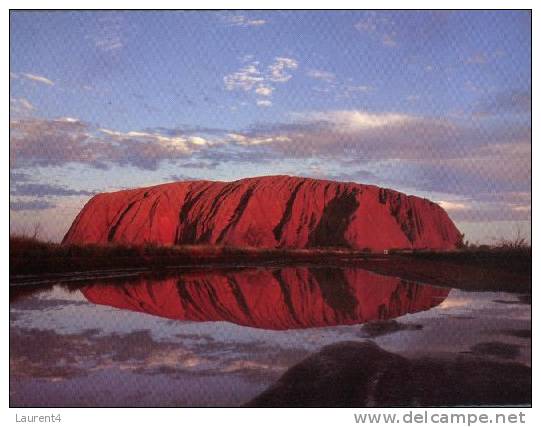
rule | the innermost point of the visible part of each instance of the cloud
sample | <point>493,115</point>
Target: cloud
<point>264,90</point>
<point>477,58</point>
<point>484,161</point>
<point>42,190</point>
<point>325,76</point>
<point>477,212</point>
<point>37,78</point>
<point>30,205</point>
<point>379,27</point>
<point>248,140</point>
<point>449,205</point>
<point>20,106</point>
<point>278,70</point>
<point>350,90</point>
<point>109,34</point>
<point>245,79</point>
<point>482,58</point>
<point>513,101</point>
<point>181,177</point>
<point>404,151</point>
<point>42,142</point>
<point>200,165</point>
<point>147,150</point>
<point>18,176</point>
<point>243,21</point>
<point>261,82</point>
<point>358,175</point>
<point>425,148</point>
<point>354,120</point>
<point>389,135</point>
<point>56,142</point>
<point>331,84</point>
<point>388,40</point>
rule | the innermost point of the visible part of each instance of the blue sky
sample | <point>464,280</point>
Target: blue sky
<point>430,103</point>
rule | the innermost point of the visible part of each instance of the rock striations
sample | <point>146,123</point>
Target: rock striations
<point>265,212</point>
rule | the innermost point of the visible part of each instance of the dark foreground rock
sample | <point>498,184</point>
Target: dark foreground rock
<point>360,374</point>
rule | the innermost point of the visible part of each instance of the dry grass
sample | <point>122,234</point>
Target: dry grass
<point>486,265</point>
<point>28,255</point>
<point>496,268</point>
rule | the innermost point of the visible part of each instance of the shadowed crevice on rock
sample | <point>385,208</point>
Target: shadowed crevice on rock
<point>112,231</point>
<point>330,231</point>
<point>279,229</point>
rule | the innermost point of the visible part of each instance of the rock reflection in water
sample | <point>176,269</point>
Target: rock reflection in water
<point>278,299</point>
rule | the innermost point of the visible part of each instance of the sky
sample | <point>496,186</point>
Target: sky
<point>431,103</point>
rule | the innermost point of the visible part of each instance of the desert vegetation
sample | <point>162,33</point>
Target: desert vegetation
<point>30,255</point>
<point>505,265</point>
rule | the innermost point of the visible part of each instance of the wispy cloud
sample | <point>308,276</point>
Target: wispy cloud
<point>477,58</point>
<point>389,40</point>
<point>30,205</point>
<point>261,81</point>
<point>20,106</point>
<point>325,76</point>
<point>42,190</point>
<point>379,27</point>
<point>243,21</point>
<point>481,58</point>
<point>513,101</point>
<point>349,90</point>
<point>329,83</point>
<point>109,34</point>
<point>468,210</point>
<point>264,103</point>
<point>35,78</point>
<point>180,177</point>
<point>452,205</point>
<point>199,165</point>
<point>348,121</point>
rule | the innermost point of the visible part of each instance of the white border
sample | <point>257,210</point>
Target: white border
<point>236,417</point>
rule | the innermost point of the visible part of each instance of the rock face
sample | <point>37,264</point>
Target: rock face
<point>265,212</point>
<point>360,374</point>
<point>287,298</point>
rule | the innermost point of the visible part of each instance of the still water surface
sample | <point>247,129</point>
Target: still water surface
<point>221,337</point>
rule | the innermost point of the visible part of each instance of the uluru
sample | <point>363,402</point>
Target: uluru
<point>265,212</point>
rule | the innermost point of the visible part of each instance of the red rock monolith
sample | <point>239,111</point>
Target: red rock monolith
<point>265,212</point>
